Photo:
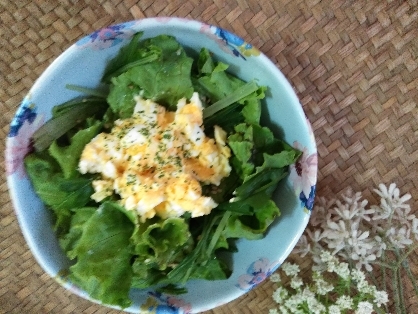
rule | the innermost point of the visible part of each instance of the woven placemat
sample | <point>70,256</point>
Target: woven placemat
<point>354,65</point>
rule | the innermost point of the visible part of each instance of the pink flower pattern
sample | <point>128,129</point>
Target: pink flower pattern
<point>108,37</point>
<point>19,146</point>
<point>303,175</point>
<point>257,272</point>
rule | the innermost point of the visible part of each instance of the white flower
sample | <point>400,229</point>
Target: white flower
<point>316,236</point>
<point>358,240</point>
<point>364,260</point>
<point>336,230</point>
<point>322,212</point>
<point>391,196</point>
<point>343,270</point>
<point>414,227</point>
<point>303,247</point>
<point>275,277</point>
<point>280,294</point>
<point>358,275</point>
<point>293,302</point>
<point>399,238</point>
<point>309,296</point>
<point>283,310</point>
<point>382,212</point>
<point>363,213</point>
<point>273,311</point>
<point>319,215</point>
<point>327,257</point>
<point>335,235</point>
<point>290,269</point>
<point>344,302</point>
<point>364,287</point>
<point>317,308</point>
<point>296,282</point>
<point>345,211</point>
<point>402,214</point>
<point>319,265</point>
<point>364,307</point>
<point>379,246</point>
<point>321,285</point>
<point>380,297</point>
<point>334,309</point>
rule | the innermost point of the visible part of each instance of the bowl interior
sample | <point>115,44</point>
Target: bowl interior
<point>83,64</point>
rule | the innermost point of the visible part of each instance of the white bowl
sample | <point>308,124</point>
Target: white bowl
<point>83,64</point>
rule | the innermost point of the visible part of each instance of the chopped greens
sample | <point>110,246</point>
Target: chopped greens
<point>112,250</point>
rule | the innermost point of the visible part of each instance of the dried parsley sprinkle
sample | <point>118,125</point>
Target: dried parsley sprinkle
<point>144,132</point>
<point>130,179</point>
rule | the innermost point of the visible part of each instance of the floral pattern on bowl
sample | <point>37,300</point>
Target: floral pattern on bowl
<point>166,304</point>
<point>22,127</point>
<point>230,42</point>
<point>257,272</point>
<point>303,174</point>
<point>107,37</point>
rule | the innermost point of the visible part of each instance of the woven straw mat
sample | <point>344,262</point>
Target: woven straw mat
<point>354,65</point>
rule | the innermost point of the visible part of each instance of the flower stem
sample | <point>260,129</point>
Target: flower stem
<point>383,270</point>
<point>395,291</point>
<point>405,256</point>
<point>379,310</point>
<point>405,264</point>
<point>401,298</point>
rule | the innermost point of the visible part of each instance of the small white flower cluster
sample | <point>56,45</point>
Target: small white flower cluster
<point>312,298</point>
<point>357,233</point>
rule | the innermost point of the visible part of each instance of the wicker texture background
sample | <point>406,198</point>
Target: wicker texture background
<point>354,65</point>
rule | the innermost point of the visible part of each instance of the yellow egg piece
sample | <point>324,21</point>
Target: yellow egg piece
<point>156,160</point>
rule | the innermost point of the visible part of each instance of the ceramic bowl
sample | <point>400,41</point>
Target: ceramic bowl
<point>83,64</point>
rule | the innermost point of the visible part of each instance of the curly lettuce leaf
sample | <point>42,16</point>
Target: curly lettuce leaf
<point>78,219</point>
<point>103,254</point>
<point>121,95</point>
<point>242,145</point>
<point>213,269</point>
<point>252,226</point>
<point>164,80</point>
<point>57,192</point>
<point>130,56</point>
<point>69,156</point>
<point>160,243</point>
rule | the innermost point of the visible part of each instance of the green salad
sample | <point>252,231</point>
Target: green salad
<point>111,249</point>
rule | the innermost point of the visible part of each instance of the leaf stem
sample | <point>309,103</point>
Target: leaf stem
<point>126,67</point>
<point>235,96</point>
<point>88,91</point>
<point>218,233</point>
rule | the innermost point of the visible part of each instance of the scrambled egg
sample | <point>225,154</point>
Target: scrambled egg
<point>156,159</point>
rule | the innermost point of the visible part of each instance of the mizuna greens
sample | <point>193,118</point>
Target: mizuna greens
<point>111,250</point>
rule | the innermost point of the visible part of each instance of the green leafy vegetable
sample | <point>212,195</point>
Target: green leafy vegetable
<point>67,116</point>
<point>234,97</point>
<point>112,249</point>
<point>78,219</point>
<point>69,156</point>
<point>59,193</point>
<point>164,80</point>
<point>103,255</point>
